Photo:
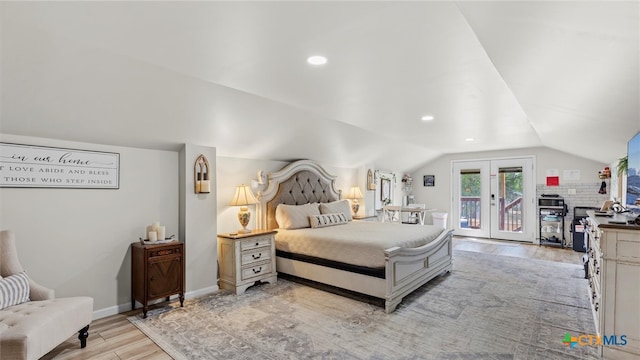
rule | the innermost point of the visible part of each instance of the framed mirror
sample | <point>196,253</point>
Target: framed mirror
<point>384,185</point>
<point>385,191</point>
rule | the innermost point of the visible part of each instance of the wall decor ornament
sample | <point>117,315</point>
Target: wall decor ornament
<point>407,181</point>
<point>30,166</point>
<point>202,175</point>
<point>371,183</point>
<point>386,190</point>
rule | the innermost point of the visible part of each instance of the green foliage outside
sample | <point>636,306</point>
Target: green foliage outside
<point>470,185</point>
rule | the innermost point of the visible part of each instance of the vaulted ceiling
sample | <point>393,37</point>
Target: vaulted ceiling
<point>233,75</point>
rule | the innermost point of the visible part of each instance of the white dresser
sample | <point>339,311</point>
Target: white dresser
<point>614,284</point>
<point>245,259</point>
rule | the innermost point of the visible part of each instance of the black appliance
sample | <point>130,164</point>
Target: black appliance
<point>580,241</point>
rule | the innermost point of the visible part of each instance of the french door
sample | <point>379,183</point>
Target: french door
<point>494,198</point>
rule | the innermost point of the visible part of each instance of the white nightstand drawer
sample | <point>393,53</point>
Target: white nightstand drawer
<point>255,242</point>
<point>249,257</point>
<point>256,270</point>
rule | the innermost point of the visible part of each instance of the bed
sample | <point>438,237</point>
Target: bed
<point>396,259</point>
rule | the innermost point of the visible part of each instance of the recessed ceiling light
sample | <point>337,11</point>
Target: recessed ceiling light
<point>317,60</point>
<point>427,118</point>
<point>469,139</point>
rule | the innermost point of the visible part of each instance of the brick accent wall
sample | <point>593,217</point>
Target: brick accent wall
<point>586,195</point>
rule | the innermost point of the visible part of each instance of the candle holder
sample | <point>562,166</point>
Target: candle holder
<point>201,175</point>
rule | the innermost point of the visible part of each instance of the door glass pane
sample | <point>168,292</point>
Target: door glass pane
<point>510,199</point>
<point>470,187</point>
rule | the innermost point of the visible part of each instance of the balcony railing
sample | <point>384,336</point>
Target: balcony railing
<point>470,212</point>
<point>510,214</point>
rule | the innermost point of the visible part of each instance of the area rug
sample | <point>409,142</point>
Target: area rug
<point>488,307</point>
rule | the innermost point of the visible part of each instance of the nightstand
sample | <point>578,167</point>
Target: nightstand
<point>157,271</point>
<point>246,259</point>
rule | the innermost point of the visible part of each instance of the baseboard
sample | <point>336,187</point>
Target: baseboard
<point>201,292</point>
<point>118,309</point>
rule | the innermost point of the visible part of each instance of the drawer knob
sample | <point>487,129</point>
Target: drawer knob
<point>257,243</point>
<point>257,271</point>
<point>256,257</point>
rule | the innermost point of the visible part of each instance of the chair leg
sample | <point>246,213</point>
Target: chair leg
<point>83,334</point>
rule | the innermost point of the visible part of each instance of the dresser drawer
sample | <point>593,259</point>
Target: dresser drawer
<point>253,256</point>
<point>176,250</point>
<point>256,270</point>
<point>255,242</point>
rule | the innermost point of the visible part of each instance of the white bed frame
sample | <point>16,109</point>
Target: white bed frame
<point>406,269</point>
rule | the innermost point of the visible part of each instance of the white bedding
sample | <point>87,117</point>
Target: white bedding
<point>357,242</point>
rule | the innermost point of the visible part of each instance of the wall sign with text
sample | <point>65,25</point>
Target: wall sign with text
<point>51,167</point>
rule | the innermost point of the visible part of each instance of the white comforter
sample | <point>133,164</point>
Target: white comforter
<point>357,242</point>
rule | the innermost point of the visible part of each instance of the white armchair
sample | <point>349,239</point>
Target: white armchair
<point>30,329</point>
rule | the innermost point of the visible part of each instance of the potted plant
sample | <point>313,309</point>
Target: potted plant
<point>623,165</point>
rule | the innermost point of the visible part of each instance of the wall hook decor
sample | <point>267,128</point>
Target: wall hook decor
<point>202,175</point>
<point>371,184</point>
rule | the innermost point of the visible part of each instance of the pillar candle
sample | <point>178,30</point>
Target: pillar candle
<point>153,236</point>
<point>161,232</point>
<point>205,186</point>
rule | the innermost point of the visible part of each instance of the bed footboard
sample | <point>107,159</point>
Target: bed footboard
<point>409,268</point>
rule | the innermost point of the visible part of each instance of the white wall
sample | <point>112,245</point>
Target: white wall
<point>439,196</point>
<point>77,241</point>
<point>198,223</point>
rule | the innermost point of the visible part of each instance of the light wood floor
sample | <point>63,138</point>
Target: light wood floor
<point>114,337</point>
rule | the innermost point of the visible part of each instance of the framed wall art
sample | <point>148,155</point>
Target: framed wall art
<point>429,180</point>
<point>29,166</point>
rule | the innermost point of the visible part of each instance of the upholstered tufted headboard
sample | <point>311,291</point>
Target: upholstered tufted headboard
<point>301,182</point>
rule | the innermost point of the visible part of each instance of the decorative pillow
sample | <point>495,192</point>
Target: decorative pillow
<point>14,290</point>
<point>295,216</point>
<point>318,221</point>
<point>339,206</point>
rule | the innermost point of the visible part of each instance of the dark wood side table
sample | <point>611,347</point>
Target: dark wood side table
<point>157,271</point>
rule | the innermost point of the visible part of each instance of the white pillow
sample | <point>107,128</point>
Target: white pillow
<point>339,206</point>
<point>14,290</point>
<point>295,216</point>
<point>318,221</point>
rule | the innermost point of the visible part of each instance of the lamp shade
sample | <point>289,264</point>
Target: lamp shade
<point>354,193</point>
<point>243,196</point>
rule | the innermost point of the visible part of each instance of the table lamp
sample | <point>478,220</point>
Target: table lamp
<point>242,198</point>
<point>354,194</point>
